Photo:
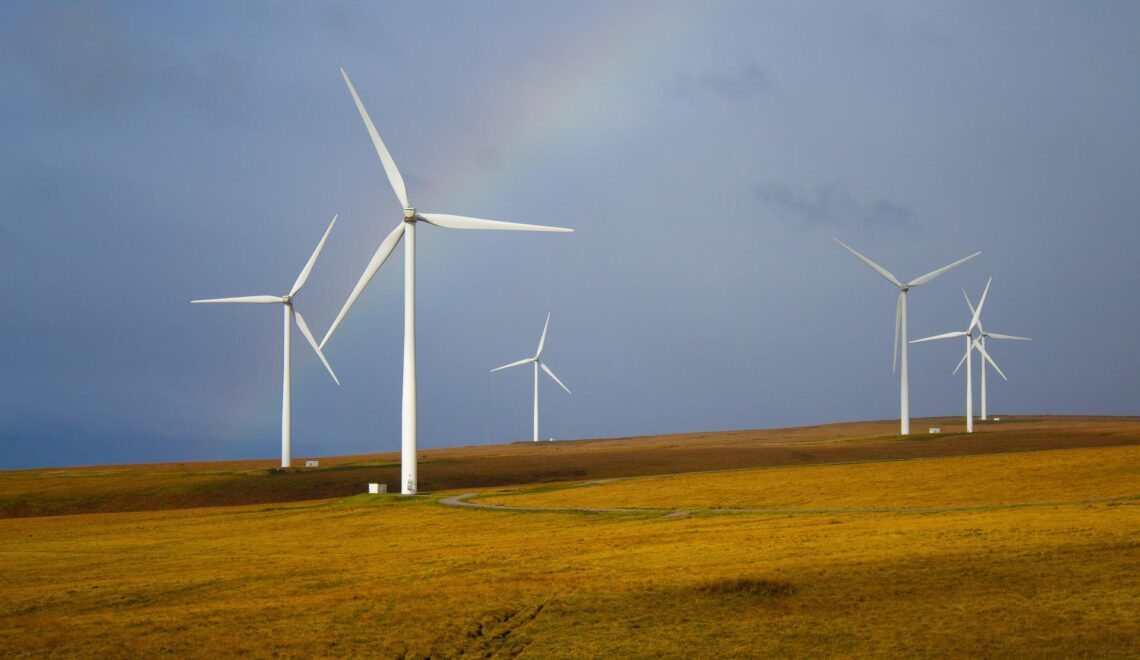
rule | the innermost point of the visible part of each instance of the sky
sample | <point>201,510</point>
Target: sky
<point>705,154</point>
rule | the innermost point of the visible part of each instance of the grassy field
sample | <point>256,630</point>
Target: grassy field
<point>384,576</point>
<point>1064,475</point>
<point>181,485</point>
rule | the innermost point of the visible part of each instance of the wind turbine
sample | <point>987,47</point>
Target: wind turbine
<point>407,230</point>
<point>981,343</point>
<point>971,344</point>
<point>291,315</point>
<point>538,364</point>
<point>901,322</point>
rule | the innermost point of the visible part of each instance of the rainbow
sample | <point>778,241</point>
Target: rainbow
<point>553,116</point>
<point>549,119</point>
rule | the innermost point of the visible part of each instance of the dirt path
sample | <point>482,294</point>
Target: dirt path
<point>461,502</point>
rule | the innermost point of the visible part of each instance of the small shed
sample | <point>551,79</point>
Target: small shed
<point>376,489</point>
<point>935,429</point>
<point>312,463</point>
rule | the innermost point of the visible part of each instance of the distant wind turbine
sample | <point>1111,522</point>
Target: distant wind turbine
<point>538,364</point>
<point>291,315</point>
<point>980,341</point>
<point>971,344</point>
<point>407,229</point>
<point>901,323</point>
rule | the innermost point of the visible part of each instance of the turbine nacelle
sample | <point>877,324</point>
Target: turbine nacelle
<point>287,300</point>
<point>409,214</point>
<point>978,344</point>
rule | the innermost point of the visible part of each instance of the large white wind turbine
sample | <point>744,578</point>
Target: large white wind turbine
<point>981,345</point>
<point>407,230</point>
<point>538,364</point>
<point>291,315</point>
<point>971,345</point>
<point>901,323</point>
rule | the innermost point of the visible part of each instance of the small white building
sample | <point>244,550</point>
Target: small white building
<point>312,463</point>
<point>376,489</point>
<point>935,429</point>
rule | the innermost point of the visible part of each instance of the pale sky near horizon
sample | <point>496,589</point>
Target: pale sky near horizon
<point>705,153</point>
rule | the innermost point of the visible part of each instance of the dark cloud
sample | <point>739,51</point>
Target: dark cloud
<point>94,56</point>
<point>736,84</point>
<point>878,29</point>
<point>830,205</point>
<point>346,24</point>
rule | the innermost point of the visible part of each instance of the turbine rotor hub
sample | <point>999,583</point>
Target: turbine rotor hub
<point>288,300</point>
<point>409,214</point>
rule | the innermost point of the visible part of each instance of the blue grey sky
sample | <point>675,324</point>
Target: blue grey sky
<point>704,152</point>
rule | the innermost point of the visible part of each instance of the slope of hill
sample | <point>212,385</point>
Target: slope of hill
<point>25,493</point>
<point>389,576</point>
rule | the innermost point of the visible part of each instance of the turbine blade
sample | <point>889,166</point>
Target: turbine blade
<point>304,327</point>
<point>551,374</point>
<point>462,222</point>
<point>898,320</point>
<point>312,260</point>
<point>394,177</point>
<point>513,364</point>
<point>878,269</point>
<point>935,273</point>
<point>994,335</point>
<point>960,363</point>
<point>968,303</point>
<point>542,340</point>
<point>382,252</point>
<point>945,335</point>
<point>259,300</point>
<point>990,360</point>
<point>971,306</point>
<point>981,302</point>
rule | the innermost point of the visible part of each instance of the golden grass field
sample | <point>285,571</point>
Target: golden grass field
<point>384,576</point>
<point>1065,475</point>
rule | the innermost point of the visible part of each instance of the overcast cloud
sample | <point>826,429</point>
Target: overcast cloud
<point>705,153</point>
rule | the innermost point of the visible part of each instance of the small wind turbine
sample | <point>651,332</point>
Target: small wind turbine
<point>901,322</point>
<point>538,363</point>
<point>407,229</point>
<point>291,315</point>
<point>981,342</point>
<point>971,344</point>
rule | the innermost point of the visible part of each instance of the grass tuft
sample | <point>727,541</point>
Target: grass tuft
<point>753,587</point>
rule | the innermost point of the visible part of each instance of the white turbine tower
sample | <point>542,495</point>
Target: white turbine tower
<point>538,364</point>
<point>901,322</point>
<point>407,230</point>
<point>981,344</point>
<point>971,344</point>
<point>291,315</point>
